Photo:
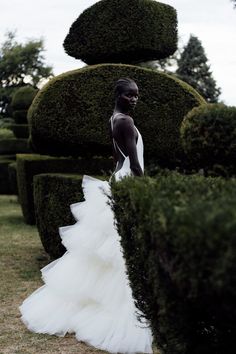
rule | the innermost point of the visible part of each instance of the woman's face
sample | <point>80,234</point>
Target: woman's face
<point>129,97</point>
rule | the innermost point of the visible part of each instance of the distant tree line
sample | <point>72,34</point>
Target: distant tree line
<point>20,65</point>
<point>190,64</point>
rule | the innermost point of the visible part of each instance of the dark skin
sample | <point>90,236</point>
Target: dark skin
<point>124,131</point>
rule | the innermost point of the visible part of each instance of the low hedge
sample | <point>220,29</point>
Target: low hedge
<point>31,164</point>
<point>53,194</point>
<point>12,174</point>
<point>5,187</point>
<point>20,130</point>
<point>178,235</point>
<point>208,135</point>
<point>14,146</point>
<point>123,31</point>
<point>6,133</point>
<point>70,115</point>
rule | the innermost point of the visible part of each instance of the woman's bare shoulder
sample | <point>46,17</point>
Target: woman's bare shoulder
<point>122,120</point>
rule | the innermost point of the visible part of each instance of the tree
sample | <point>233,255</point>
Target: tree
<point>194,69</point>
<point>20,64</point>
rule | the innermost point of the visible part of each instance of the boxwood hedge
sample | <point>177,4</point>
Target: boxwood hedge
<point>53,194</point>
<point>123,31</point>
<point>20,130</point>
<point>30,165</point>
<point>14,146</point>
<point>178,234</point>
<point>208,135</point>
<point>69,116</point>
<point>5,187</point>
<point>12,175</point>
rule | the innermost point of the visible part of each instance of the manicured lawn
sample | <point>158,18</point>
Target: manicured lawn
<point>21,257</point>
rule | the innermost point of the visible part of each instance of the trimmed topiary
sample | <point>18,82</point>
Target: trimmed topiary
<point>12,174</point>
<point>5,187</point>
<point>178,235</point>
<point>6,133</point>
<point>23,98</point>
<point>21,102</point>
<point>20,130</point>
<point>20,116</point>
<point>123,31</point>
<point>30,165</point>
<point>13,146</point>
<point>208,135</point>
<point>70,115</point>
<point>53,194</point>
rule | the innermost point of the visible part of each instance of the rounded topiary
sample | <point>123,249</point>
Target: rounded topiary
<point>123,31</point>
<point>70,115</point>
<point>23,97</point>
<point>208,135</point>
<point>21,102</point>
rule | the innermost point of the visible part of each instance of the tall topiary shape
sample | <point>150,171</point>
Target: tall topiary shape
<point>21,102</point>
<point>70,115</point>
<point>123,31</point>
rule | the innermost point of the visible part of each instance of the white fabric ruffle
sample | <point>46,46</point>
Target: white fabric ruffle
<point>87,291</point>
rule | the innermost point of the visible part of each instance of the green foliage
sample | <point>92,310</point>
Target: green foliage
<point>70,115</point>
<point>53,194</point>
<point>23,97</point>
<point>4,176</point>
<point>13,146</point>
<point>178,235</point>
<point>20,61</point>
<point>208,135</point>
<point>20,64</point>
<point>123,31</point>
<point>194,69</point>
<point>30,165</point>
<point>20,116</point>
<point>12,175</point>
<point>20,130</point>
<point>6,133</point>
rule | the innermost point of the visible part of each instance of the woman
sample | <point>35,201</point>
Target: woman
<point>86,291</point>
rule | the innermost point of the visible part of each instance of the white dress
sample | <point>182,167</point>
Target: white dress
<point>86,291</point>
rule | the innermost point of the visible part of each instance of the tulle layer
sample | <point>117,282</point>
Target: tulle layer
<point>86,291</point>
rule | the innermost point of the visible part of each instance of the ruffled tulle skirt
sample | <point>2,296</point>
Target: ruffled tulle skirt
<point>86,291</point>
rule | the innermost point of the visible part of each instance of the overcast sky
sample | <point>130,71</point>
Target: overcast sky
<point>212,21</point>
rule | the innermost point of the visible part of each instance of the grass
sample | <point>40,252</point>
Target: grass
<point>21,257</point>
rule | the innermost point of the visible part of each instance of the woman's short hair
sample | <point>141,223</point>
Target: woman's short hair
<point>121,84</point>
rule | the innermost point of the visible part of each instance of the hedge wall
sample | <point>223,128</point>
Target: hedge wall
<point>53,194</point>
<point>208,135</point>
<point>12,175</point>
<point>4,177</point>
<point>30,165</point>
<point>20,130</point>
<point>69,116</point>
<point>13,146</point>
<point>178,235</point>
<point>123,31</point>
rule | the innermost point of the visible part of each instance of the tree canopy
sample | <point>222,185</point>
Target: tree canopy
<point>20,64</point>
<point>194,69</point>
